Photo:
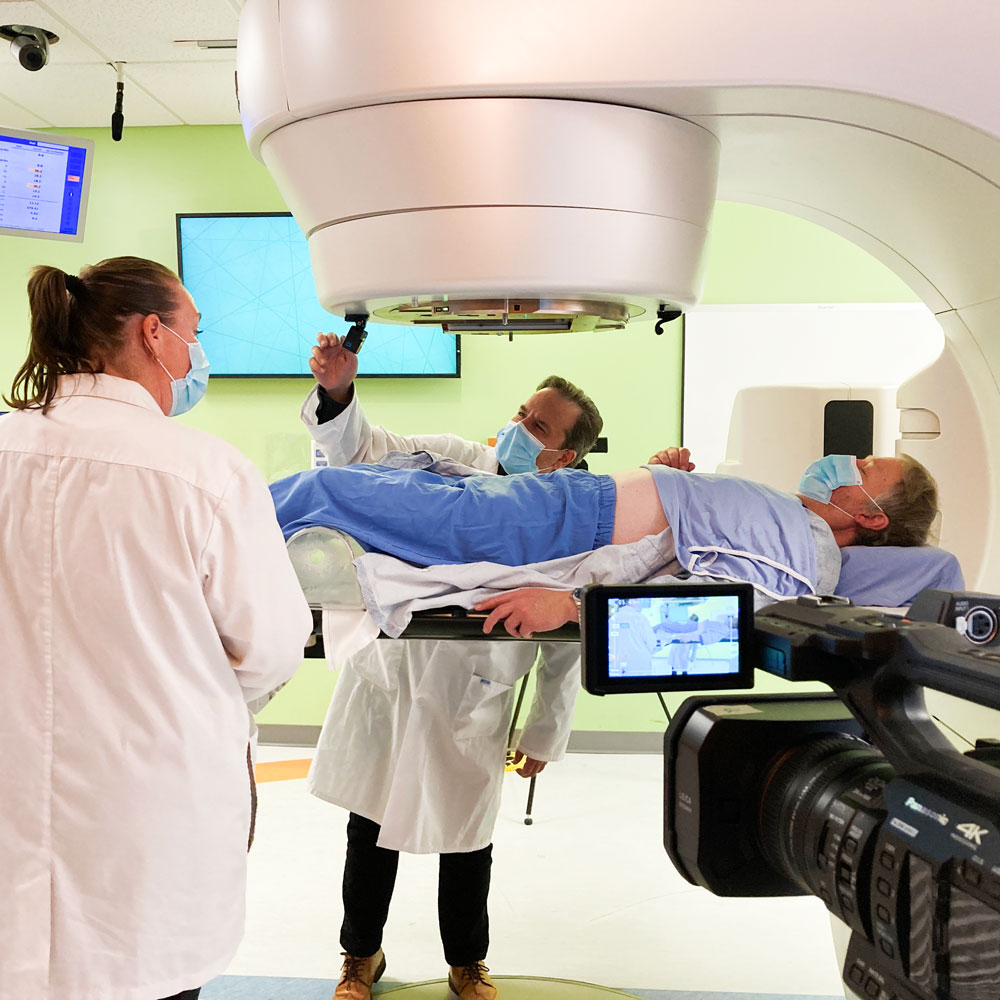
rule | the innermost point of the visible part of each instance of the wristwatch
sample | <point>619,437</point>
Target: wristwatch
<point>577,596</point>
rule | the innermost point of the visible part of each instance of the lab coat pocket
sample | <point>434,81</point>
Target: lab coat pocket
<point>484,709</point>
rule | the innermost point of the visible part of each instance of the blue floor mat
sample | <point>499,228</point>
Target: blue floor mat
<point>279,988</point>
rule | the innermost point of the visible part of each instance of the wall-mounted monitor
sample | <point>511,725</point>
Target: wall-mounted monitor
<point>44,184</point>
<point>251,279</point>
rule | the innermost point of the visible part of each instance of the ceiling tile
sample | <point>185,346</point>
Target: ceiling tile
<point>79,96</point>
<point>130,31</point>
<point>16,117</point>
<point>166,84</point>
<point>202,94</point>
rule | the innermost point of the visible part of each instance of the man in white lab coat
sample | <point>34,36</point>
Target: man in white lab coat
<point>632,641</point>
<point>145,596</point>
<point>415,736</point>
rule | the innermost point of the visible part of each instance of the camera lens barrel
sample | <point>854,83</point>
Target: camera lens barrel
<point>821,804</point>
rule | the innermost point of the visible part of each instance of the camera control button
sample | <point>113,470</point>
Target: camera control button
<point>887,947</point>
<point>851,845</point>
<point>973,874</point>
<point>882,912</point>
<point>883,886</point>
<point>856,974</point>
<point>847,904</point>
<point>887,860</point>
<point>872,987</point>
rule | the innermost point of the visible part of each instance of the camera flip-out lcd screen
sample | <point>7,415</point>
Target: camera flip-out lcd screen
<point>667,638</point>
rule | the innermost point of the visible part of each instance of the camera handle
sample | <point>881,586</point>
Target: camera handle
<point>879,667</point>
<point>889,702</point>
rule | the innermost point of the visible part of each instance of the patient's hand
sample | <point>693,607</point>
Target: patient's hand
<point>676,458</point>
<point>334,366</point>
<point>530,767</point>
<point>529,610</point>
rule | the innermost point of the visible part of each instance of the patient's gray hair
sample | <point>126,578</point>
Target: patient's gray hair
<point>582,436</point>
<point>911,506</point>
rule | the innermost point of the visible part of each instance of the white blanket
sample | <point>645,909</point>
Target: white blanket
<point>393,590</point>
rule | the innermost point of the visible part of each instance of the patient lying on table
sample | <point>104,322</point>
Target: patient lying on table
<point>723,527</point>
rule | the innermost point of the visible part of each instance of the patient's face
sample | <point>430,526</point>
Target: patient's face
<point>550,418</point>
<point>878,476</point>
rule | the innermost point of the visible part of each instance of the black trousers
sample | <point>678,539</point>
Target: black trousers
<point>186,995</point>
<point>369,878</point>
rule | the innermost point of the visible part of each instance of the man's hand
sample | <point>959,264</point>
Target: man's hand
<point>531,767</point>
<point>529,610</point>
<point>676,458</point>
<point>334,366</point>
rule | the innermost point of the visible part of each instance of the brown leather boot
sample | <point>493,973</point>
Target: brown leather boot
<point>472,982</point>
<point>358,975</point>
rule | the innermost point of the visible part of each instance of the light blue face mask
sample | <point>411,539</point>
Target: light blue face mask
<point>829,473</point>
<point>518,449</point>
<point>186,392</point>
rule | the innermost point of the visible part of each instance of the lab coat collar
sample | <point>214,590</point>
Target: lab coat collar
<point>104,386</point>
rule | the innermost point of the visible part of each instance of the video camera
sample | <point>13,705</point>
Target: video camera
<point>856,796</point>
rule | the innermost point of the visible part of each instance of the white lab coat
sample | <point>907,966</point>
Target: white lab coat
<point>349,439</point>
<point>145,594</point>
<point>634,643</point>
<point>416,732</point>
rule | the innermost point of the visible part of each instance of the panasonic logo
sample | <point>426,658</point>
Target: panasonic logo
<point>912,803</point>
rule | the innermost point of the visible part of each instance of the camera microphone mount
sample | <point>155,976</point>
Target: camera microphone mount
<point>118,116</point>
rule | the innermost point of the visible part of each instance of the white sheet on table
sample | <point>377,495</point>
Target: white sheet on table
<point>345,632</point>
<point>393,590</point>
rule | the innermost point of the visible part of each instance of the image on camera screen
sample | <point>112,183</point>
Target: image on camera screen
<point>673,636</point>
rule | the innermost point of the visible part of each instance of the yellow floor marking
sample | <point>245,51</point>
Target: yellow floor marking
<point>282,770</point>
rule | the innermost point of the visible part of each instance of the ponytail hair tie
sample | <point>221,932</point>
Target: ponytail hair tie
<point>74,285</point>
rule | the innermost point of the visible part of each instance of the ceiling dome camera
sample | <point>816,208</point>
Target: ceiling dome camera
<point>29,45</point>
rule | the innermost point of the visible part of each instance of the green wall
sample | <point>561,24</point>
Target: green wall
<point>756,256</point>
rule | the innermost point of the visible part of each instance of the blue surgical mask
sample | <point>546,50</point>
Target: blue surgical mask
<point>187,391</point>
<point>518,449</point>
<point>829,473</point>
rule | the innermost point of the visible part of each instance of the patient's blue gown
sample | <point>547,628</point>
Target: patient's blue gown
<point>430,519</point>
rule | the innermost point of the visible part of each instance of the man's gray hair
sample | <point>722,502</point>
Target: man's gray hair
<point>582,436</point>
<point>911,506</point>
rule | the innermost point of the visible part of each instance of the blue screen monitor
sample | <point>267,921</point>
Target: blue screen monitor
<point>44,184</point>
<point>251,279</point>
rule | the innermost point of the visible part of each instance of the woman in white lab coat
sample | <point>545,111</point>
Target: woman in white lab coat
<point>145,596</point>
